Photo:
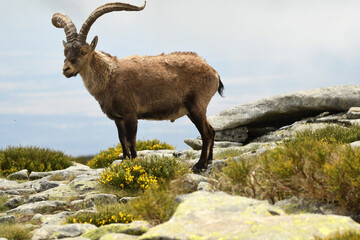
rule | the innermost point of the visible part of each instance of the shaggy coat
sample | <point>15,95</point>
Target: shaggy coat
<point>163,87</point>
<point>172,82</point>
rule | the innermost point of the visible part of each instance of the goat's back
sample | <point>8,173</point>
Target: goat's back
<point>160,86</point>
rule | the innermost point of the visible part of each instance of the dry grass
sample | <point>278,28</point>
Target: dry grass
<point>315,165</point>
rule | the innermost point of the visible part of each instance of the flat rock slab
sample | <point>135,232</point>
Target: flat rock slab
<point>118,236</point>
<point>30,208</point>
<point>134,228</point>
<point>196,144</point>
<point>8,184</point>
<point>204,215</point>
<point>295,105</point>
<point>21,175</point>
<point>61,231</point>
<point>62,192</point>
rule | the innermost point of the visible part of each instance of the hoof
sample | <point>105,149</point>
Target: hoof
<point>197,169</point>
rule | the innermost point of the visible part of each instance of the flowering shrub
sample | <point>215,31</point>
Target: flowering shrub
<point>148,178</point>
<point>126,175</point>
<point>154,144</point>
<point>106,214</point>
<point>140,173</point>
<point>106,157</point>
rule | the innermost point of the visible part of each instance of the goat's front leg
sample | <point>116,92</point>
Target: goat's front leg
<point>120,124</point>
<point>130,121</point>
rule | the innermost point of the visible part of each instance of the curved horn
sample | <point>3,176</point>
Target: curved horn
<point>61,20</point>
<point>110,7</point>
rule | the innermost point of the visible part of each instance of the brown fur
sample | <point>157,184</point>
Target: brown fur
<point>162,87</point>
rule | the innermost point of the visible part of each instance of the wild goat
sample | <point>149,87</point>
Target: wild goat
<point>163,87</point>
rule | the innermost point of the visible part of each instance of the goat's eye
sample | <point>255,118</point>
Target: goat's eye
<point>83,53</point>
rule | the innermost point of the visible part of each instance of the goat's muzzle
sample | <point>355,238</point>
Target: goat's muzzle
<point>69,71</point>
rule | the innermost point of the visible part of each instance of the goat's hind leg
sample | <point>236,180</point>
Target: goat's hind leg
<point>207,134</point>
<point>211,157</point>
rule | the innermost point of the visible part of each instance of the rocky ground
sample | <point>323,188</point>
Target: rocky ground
<point>48,198</point>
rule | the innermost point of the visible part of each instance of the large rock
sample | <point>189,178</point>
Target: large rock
<point>62,192</point>
<point>84,183</point>
<point>134,228</point>
<point>20,175</point>
<point>14,202</point>
<point>30,208</point>
<point>58,218</point>
<point>118,236</point>
<point>46,185</point>
<point>8,185</point>
<point>238,134</point>
<point>50,231</point>
<point>153,153</point>
<point>283,109</point>
<point>7,219</point>
<point>196,144</point>
<point>204,215</point>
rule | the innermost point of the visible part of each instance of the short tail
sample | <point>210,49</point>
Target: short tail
<point>221,88</point>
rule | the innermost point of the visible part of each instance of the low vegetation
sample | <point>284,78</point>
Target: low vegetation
<point>106,157</point>
<point>228,153</point>
<point>83,159</point>
<point>317,165</point>
<point>155,205</point>
<point>105,214</point>
<point>14,159</point>
<point>140,173</point>
<point>15,232</point>
<point>3,200</point>
<point>314,164</point>
<point>148,179</point>
<point>349,235</point>
<point>333,134</point>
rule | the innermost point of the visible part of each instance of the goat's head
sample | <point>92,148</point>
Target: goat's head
<point>77,52</point>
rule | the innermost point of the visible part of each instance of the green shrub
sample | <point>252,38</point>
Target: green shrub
<point>105,214</point>
<point>156,205</point>
<point>14,159</point>
<point>333,134</point>
<point>235,177</point>
<point>349,235</point>
<point>307,166</point>
<point>228,153</point>
<point>106,157</point>
<point>154,144</point>
<point>83,159</point>
<point>14,232</point>
<point>3,200</point>
<point>140,173</point>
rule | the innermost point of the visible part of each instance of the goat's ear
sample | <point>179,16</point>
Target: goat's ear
<point>93,43</point>
<point>64,43</point>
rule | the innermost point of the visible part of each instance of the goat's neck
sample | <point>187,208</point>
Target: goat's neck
<point>97,73</point>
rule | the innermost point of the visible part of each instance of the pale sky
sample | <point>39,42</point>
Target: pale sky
<point>259,47</point>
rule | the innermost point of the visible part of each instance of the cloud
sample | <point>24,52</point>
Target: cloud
<point>50,103</point>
